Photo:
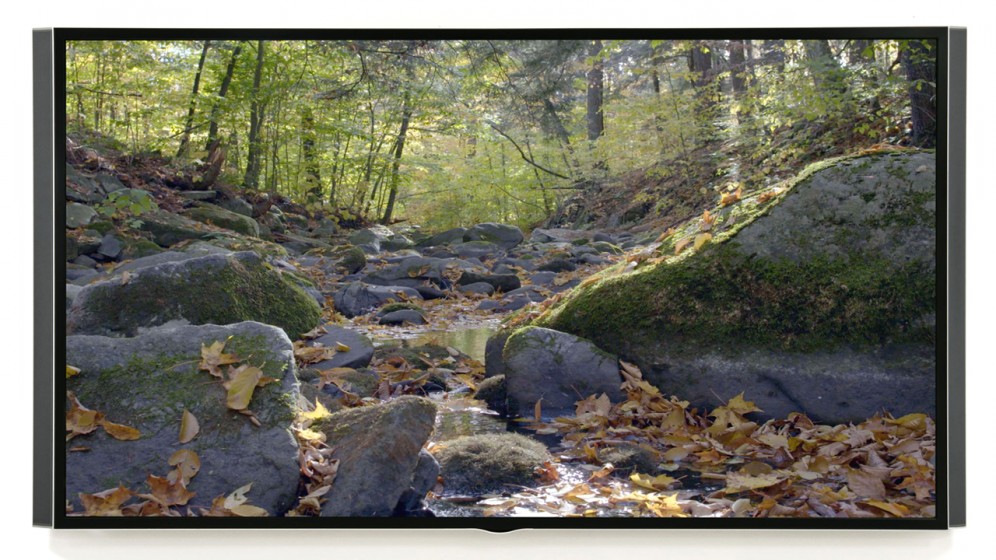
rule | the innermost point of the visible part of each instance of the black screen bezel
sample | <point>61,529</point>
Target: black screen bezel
<point>950,229</point>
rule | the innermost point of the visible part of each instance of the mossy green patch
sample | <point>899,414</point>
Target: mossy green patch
<point>487,462</point>
<point>226,290</point>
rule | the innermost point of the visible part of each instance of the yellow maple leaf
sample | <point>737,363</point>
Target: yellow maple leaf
<point>318,413</point>
<point>241,386</point>
<point>660,482</point>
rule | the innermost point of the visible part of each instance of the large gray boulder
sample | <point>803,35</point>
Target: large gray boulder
<point>358,298</point>
<point>378,448</point>
<point>372,236</point>
<point>504,235</point>
<point>216,288</point>
<point>819,299</point>
<point>558,368</point>
<point>146,382</point>
<point>216,215</point>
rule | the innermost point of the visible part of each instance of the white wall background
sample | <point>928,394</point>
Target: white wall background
<point>22,541</point>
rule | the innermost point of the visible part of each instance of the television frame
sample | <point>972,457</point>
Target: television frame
<point>49,275</point>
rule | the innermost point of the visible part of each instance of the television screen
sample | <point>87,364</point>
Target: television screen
<point>504,279</point>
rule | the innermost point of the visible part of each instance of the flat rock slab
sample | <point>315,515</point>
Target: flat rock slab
<point>361,349</point>
<point>831,386</point>
<point>146,382</point>
<point>378,448</point>
<point>558,368</point>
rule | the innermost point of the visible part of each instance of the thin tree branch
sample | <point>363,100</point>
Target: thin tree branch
<point>525,157</point>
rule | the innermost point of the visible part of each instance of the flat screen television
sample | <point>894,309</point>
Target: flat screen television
<point>502,279</point>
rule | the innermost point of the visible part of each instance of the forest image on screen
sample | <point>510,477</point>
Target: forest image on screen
<point>647,278</point>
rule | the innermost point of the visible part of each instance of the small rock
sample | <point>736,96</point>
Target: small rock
<point>360,351</point>
<point>79,215</point>
<point>477,288</point>
<point>501,282</point>
<point>110,246</point>
<point>401,317</point>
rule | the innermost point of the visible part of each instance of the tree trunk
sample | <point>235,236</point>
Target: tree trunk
<point>919,61</point>
<point>824,67</point>
<point>222,92</point>
<point>738,66</point>
<point>406,115</point>
<point>596,85</point>
<point>251,180</point>
<point>312,167</point>
<point>859,51</point>
<point>185,139</point>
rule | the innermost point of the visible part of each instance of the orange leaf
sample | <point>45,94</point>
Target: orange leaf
<point>107,503</point>
<point>120,431</point>
<point>187,464</point>
<point>166,492</point>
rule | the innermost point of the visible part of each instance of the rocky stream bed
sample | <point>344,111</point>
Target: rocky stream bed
<point>773,357</point>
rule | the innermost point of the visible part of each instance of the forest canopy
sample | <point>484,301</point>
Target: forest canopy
<point>450,133</point>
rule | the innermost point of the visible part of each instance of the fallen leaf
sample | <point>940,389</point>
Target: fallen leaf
<point>318,413</point>
<point>741,482</point>
<point>120,431</point>
<point>187,464</point>
<point>865,484</point>
<point>660,482</point>
<point>537,410</point>
<point>729,198</point>
<point>700,240</point>
<point>212,357</point>
<point>189,427</point>
<point>71,371</point>
<point>898,510</point>
<point>107,503</point>
<point>340,347</point>
<point>241,386</point>
<point>166,492</point>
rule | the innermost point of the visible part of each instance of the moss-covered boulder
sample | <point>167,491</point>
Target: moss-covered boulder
<point>817,296</point>
<point>215,288</point>
<point>168,228</point>
<point>148,381</point>
<point>378,448</point>
<point>489,462</point>
<point>216,215</point>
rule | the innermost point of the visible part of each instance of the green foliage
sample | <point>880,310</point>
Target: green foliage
<point>497,129</point>
<point>127,204</point>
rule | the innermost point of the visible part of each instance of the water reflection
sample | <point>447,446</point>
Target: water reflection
<point>469,341</point>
